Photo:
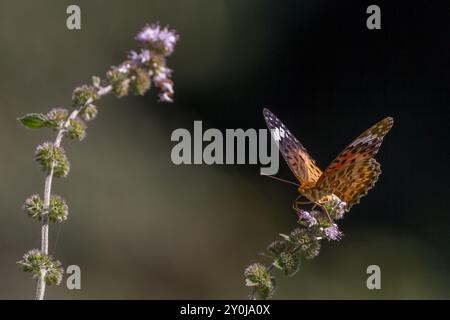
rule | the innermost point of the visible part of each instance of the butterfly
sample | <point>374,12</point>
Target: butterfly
<point>349,176</point>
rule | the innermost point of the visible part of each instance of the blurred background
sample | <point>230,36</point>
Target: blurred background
<point>141,227</point>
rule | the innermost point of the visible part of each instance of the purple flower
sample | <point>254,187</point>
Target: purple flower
<point>165,97</point>
<point>142,57</point>
<point>336,206</point>
<point>333,233</point>
<point>162,75</point>
<point>158,43</point>
<point>124,68</point>
<point>306,218</point>
<point>169,38</point>
<point>154,35</point>
<point>145,56</point>
<point>149,33</point>
<point>168,87</point>
<point>133,55</point>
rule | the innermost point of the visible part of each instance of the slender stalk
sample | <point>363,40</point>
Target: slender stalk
<point>40,288</point>
<point>135,75</point>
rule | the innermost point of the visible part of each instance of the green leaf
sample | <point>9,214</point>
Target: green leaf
<point>35,120</point>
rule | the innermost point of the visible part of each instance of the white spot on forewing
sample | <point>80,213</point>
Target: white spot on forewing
<point>363,140</point>
<point>278,133</point>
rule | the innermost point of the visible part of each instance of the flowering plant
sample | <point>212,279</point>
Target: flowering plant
<point>135,75</point>
<point>315,225</point>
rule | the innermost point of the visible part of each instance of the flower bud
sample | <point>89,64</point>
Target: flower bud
<point>278,246</point>
<point>333,233</point>
<point>58,116</point>
<point>161,40</point>
<point>140,81</point>
<point>89,113</point>
<point>38,264</point>
<point>288,262</point>
<point>59,210</point>
<point>118,77</point>
<point>312,250</point>
<point>50,156</point>
<point>54,274</point>
<point>306,218</point>
<point>34,206</point>
<point>308,240</point>
<point>82,95</point>
<point>76,129</point>
<point>257,276</point>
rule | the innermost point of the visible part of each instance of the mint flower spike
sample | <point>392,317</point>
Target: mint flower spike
<point>52,159</point>
<point>138,73</point>
<point>42,266</point>
<point>158,43</point>
<point>157,38</point>
<point>333,233</point>
<point>84,94</point>
<point>76,129</point>
<point>34,207</point>
<point>306,218</point>
<point>259,277</point>
<point>289,262</point>
<point>315,225</point>
<point>89,113</point>
<point>57,211</point>
<point>140,58</point>
<point>58,116</point>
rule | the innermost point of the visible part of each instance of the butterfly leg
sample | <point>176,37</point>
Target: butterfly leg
<point>326,212</point>
<point>296,203</point>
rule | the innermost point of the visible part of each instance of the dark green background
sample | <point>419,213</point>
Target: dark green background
<point>141,227</point>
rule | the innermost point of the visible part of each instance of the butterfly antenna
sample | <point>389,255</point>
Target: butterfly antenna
<point>279,179</point>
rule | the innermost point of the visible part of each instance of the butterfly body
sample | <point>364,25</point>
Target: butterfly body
<point>349,176</point>
<point>311,193</point>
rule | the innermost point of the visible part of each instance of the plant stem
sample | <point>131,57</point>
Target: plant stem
<point>40,288</point>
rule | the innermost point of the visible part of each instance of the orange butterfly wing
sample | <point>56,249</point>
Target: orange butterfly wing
<point>299,161</point>
<point>354,171</point>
